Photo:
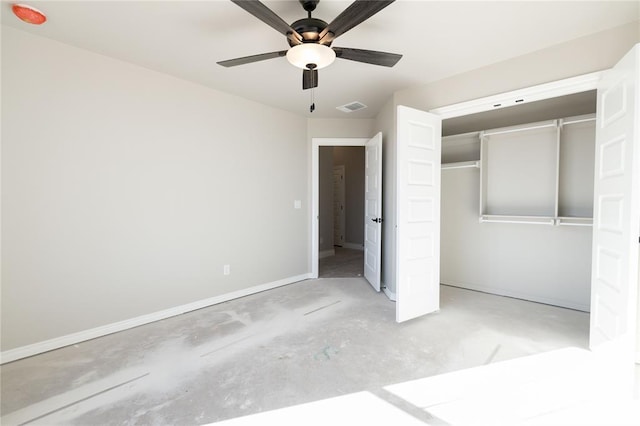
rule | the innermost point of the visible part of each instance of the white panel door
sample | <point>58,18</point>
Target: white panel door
<point>418,204</point>
<point>616,219</point>
<point>373,210</point>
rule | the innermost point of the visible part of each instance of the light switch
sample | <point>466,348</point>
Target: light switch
<point>297,204</point>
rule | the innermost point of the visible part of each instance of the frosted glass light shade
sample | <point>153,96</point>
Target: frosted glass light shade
<point>311,53</point>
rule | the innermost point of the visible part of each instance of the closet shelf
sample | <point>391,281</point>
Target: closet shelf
<point>554,182</point>
<point>537,220</point>
<point>532,220</point>
<point>461,165</point>
<point>520,128</point>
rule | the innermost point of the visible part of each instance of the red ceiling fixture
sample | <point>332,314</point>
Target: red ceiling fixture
<point>29,14</point>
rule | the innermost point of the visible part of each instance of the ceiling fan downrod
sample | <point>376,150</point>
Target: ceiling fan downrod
<point>310,78</point>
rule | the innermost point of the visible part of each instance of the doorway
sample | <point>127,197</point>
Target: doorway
<point>341,211</point>
<point>327,242</point>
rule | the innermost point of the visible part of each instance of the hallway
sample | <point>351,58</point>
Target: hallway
<point>346,263</point>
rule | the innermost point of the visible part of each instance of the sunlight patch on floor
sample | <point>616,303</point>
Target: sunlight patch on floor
<point>359,408</point>
<point>562,387</point>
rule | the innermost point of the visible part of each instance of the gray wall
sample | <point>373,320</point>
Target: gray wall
<point>340,128</point>
<point>125,191</point>
<point>352,158</point>
<point>580,56</point>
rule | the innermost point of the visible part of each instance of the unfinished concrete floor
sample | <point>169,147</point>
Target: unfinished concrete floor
<point>299,343</point>
<point>345,263</point>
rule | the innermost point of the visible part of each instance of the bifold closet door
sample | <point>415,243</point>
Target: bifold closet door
<point>616,225</point>
<point>419,148</point>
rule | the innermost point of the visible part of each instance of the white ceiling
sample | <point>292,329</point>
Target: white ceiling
<point>437,38</point>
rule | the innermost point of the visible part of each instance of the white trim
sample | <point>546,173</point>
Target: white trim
<point>540,92</point>
<point>316,143</point>
<point>326,253</point>
<point>353,246</point>
<point>390,294</point>
<point>71,339</point>
<point>523,296</point>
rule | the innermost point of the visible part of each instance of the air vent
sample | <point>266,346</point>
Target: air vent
<point>352,106</point>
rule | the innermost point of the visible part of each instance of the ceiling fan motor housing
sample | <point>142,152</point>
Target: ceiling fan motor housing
<point>309,29</point>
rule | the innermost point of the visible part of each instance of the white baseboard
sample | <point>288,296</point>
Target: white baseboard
<point>354,246</point>
<point>326,253</point>
<point>71,339</point>
<point>390,294</point>
<point>563,303</point>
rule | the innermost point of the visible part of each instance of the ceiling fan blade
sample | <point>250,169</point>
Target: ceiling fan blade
<point>252,58</point>
<point>368,56</point>
<point>309,79</point>
<point>267,16</point>
<point>358,12</point>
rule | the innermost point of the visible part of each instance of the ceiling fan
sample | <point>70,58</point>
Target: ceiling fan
<point>310,38</point>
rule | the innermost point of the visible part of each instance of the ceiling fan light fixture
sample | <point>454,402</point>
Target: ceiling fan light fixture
<point>311,53</point>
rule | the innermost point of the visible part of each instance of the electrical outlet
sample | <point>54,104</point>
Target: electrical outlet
<point>227,270</point>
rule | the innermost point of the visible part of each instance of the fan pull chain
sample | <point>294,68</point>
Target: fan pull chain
<point>313,102</point>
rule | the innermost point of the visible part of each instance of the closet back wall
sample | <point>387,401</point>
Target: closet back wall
<point>548,264</point>
<point>528,170</point>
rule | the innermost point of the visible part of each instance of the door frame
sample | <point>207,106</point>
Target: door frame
<point>314,217</point>
<point>554,89</point>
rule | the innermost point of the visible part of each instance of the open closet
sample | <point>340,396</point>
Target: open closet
<point>517,201</point>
